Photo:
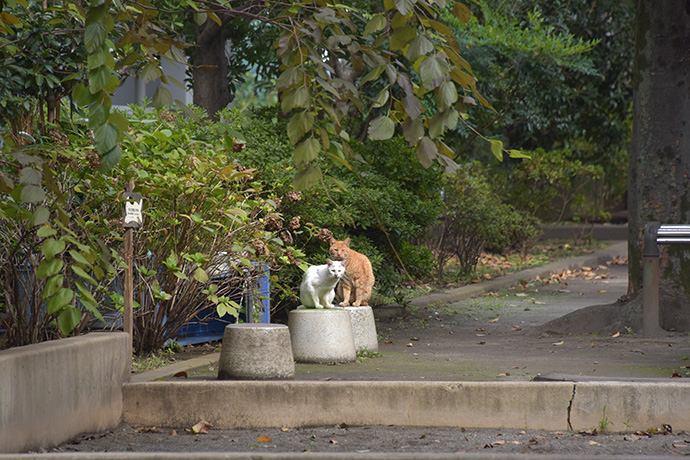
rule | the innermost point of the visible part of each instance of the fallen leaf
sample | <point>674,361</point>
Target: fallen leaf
<point>495,320</point>
<point>181,375</point>
<point>263,438</point>
<point>202,427</point>
<point>616,334</point>
<point>675,444</point>
<point>409,344</point>
<point>326,379</point>
<point>593,443</point>
<point>504,375</point>
<point>601,292</point>
<point>559,343</point>
<point>173,433</point>
<point>498,443</point>
<point>284,429</point>
<point>332,441</point>
<point>415,339</point>
<point>479,329</point>
<point>388,341</point>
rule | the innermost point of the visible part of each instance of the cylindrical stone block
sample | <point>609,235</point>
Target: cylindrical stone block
<point>321,336</point>
<point>363,329</point>
<point>256,351</point>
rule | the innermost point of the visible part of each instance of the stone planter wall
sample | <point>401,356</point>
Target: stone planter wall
<point>53,391</point>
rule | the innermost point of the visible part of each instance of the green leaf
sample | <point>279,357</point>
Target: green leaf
<point>200,275</point>
<point>32,194</point>
<point>99,113</point>
<point>297,98</point>
<point>518,154</point>
<point>53,284</point>
<point>413,106</point>
<point>151,72</point>
<point>376,23</point>
<point>99,78</point>
<point>39,217</point>
<point>433,72</point>
<point>94,36</point>
<point>88,300</point>
<point>497,148</point>
<point>413,130</point>
<point>445,95</point>
<point>426,152</point>
<point>307,178</point>
<point>106,137</point>
<point>404,6</point>
<point>381,128</point>
<point>382,98</point>
<point>461,12</point>
<point>30,176</point>
<point>419,46</point>
<point>68,319</point>
<point>402,36</point>
<point>81,273</point>
<point>162,97</point>
<point>290,77</point>
<point>300,124</point>
<point>110,159</point>
<point>60,300</point>
<point>306,152</point>
<point>52,247</point>
<point>46,231</point>
<point>49,267</point>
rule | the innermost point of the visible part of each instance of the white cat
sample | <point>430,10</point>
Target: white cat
<point>317,288</point>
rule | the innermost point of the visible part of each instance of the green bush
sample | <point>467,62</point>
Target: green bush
<point>204,216</point>
<point>475,219</point>
<point>388,188</point>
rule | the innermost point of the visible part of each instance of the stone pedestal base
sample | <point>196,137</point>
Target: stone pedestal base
<point>256,351</point>
<point>363,329</point>
<point>321,336</point>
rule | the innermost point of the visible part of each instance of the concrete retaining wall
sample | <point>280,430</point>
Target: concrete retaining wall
<point>53,391</point>
<point>526,405</point>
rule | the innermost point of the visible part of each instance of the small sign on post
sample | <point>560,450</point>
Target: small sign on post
<point>133,204</point>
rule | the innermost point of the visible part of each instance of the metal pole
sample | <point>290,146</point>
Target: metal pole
<point>650,282</point>
<point>128,322</point>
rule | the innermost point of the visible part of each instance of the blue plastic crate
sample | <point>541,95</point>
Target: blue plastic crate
<point>209,327</point>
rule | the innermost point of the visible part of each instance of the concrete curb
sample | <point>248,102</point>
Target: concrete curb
<point>574,406</point>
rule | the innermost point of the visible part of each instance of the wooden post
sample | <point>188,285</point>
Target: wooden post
<point>132,219</point>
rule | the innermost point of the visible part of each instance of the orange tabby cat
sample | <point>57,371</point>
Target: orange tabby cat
<point>355,287</point>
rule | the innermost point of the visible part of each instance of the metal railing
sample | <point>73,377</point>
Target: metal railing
<point>654,235</point>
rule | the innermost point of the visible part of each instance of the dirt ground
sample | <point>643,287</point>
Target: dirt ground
<point>492,337</point>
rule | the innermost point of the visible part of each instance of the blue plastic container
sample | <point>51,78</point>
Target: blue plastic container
<point>209,327</point>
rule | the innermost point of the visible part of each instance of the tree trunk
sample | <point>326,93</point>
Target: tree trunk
<point>210,69</point>
<point>659,172</point>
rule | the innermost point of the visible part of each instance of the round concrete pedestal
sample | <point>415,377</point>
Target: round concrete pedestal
<point>321,336</point>
<point>256,351</point>
<point>363,329</point>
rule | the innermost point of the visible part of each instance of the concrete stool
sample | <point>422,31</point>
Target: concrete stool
<point>321,336</point>
<point>363,329</point>
<point>256,351</point>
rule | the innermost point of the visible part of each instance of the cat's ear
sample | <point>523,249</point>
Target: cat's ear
<point>329,262</point>
<point>347,241</point>
<point>332,241</point>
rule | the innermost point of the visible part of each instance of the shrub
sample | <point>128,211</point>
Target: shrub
<point>53,239</point>
<point>388,188</point>
<point>475,218</point>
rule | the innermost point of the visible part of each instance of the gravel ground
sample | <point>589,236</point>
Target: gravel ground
<point>389,439</point>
